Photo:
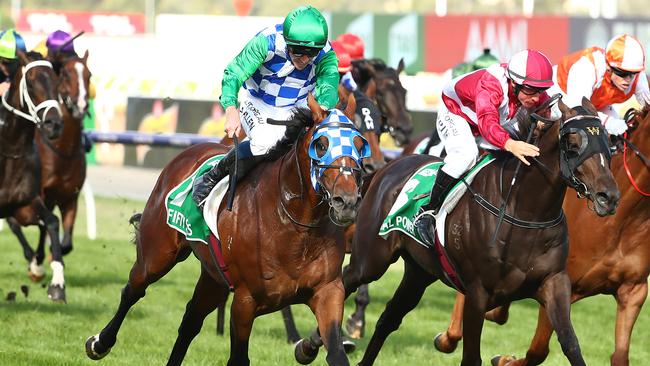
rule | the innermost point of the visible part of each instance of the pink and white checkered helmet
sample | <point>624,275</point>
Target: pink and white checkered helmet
<point>531,68</point>
<point>626,53</point>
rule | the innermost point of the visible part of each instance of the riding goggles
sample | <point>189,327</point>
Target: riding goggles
<point>299,51</point>
<point>623,73</point>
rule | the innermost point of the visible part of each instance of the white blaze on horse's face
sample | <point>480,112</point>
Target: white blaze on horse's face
<point>81,99</point>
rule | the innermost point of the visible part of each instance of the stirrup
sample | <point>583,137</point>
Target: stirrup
<point>420,215</point>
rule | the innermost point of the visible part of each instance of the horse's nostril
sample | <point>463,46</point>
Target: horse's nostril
<point>338,201</point>
<point>368,168</point>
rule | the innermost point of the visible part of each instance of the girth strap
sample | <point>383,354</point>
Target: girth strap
<point>511,219</point>
<point>217,256</point>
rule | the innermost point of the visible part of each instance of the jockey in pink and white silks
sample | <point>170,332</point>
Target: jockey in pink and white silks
<point>278,68</point>
<point>605,77</point>
<point>480,104</point>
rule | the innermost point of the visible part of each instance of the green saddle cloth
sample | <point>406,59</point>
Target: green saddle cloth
<point>183,214</point>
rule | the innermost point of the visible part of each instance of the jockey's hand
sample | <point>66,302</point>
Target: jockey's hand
<point>4,86</point>
<point>233,123</point>
<point>615,126</point>
<point>521,149</point>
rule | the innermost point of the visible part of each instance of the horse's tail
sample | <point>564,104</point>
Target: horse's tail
<point>135,221</point>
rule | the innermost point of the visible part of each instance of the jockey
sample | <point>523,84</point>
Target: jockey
<point>10,42</point>
<point>278,68</point>
<point>480,103</point>
<point>605,77</point>
<point>367,112</point>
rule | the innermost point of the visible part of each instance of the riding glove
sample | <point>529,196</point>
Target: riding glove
<point>615,126</point>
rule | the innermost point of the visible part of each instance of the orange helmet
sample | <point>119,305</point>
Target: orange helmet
<point>345,62</point>
<point>626,53</point>
<point>354,44</point>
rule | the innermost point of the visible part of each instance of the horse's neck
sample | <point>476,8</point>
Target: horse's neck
<point>69,142</point>
<point>296,192</point>
<point>16,133</point>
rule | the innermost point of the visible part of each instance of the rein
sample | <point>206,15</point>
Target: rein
<point>638,153</point>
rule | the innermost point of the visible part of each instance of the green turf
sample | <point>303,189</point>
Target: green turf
<point>34,331</point>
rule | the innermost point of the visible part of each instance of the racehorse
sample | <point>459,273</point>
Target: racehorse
<point>283,242</point>
<point>390,96</point>
<point>30,104</point>
<point>618,260</point>
<point>527,256</point>
<point>63,161</point>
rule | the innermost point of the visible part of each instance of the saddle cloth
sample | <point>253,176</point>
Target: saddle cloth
<point>415,193</point>
<point>185,216</point>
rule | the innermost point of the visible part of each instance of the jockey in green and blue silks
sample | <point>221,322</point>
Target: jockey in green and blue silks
<point>278,68</point>
<point>10,42</point>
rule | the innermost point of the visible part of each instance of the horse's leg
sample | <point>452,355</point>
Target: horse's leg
<point>406,297</point>
<point>56,289</point>
<point>68,215</point>
<point>448,341</point>
<point>473,317</point>
<point>221,317</point>
<point>327,305</point>
<point>555,294</point>
<point>242,315</point>
<point>290,325</point>
<point>629,298</point>
<point>208,293</point>
<point>158,252</point>
<point>34,271</point>
<point>499,314</point>
<point>538,349</point>
<point>40,251</point>
<point>356,323</point>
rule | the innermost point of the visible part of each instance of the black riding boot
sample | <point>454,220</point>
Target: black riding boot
<point>425,222</point>
<point>203,185</point>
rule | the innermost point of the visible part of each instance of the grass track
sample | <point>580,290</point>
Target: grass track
<point>34,331</point>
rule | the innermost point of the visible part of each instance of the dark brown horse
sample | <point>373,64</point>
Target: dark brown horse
<point>63,162</point>
<point>527,259</point>
<point>610,258</point>
<point>281,243</point>
<point>30,104</point>
<point>390,96</point>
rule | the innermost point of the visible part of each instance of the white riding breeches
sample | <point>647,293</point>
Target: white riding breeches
<point>459,142</point>
<point>253,113</point>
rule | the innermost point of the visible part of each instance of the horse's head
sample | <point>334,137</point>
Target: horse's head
<point>32,95</point>
<point>369,128</point>
<point>74,83</point>
<point>583,153</point>
<point>390,96</point>
<point>335,149</point>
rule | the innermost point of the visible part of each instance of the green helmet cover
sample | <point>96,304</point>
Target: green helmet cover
<point>485,60</point>
<point>462,68</point>
<point>8,45</point>
<point>306,27</point>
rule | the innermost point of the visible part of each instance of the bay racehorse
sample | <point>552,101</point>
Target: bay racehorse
<point>527,257</point>
<point>282,240</point>
<point>63,161</point>
<point>29,105</point>
<point>390,96</point>
<point>612,257</point>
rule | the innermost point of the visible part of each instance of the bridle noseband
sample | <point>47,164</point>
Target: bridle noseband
<point>26,100</point>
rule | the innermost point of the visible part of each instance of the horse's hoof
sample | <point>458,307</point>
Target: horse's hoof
<point>437,342</point>
<point>349,346</point>
<point>35,277</point>
<point>502,360</point>
<point>66,249</point>
<point>354,328</point>
<point>304,355</point>
<point>90,348</point>
<point>56,293</point>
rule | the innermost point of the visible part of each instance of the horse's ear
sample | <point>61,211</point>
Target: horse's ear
<point>343,95</point>
<point>317,112</point>
<point>586,104</point>
<point>351,107</point>
<point>400,66</point>
<point>371,89</point>
<point>564,108</point>
<point>22,57</point>
<point>85,58</point>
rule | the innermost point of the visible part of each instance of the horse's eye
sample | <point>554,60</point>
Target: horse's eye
<point>321,148</point>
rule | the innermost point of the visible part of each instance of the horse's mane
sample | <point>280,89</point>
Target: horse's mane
<point>300,118</point>
<point>33,55</point>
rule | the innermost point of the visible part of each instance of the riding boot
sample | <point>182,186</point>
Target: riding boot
<point>425,218</point>
<point>204,184</point>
